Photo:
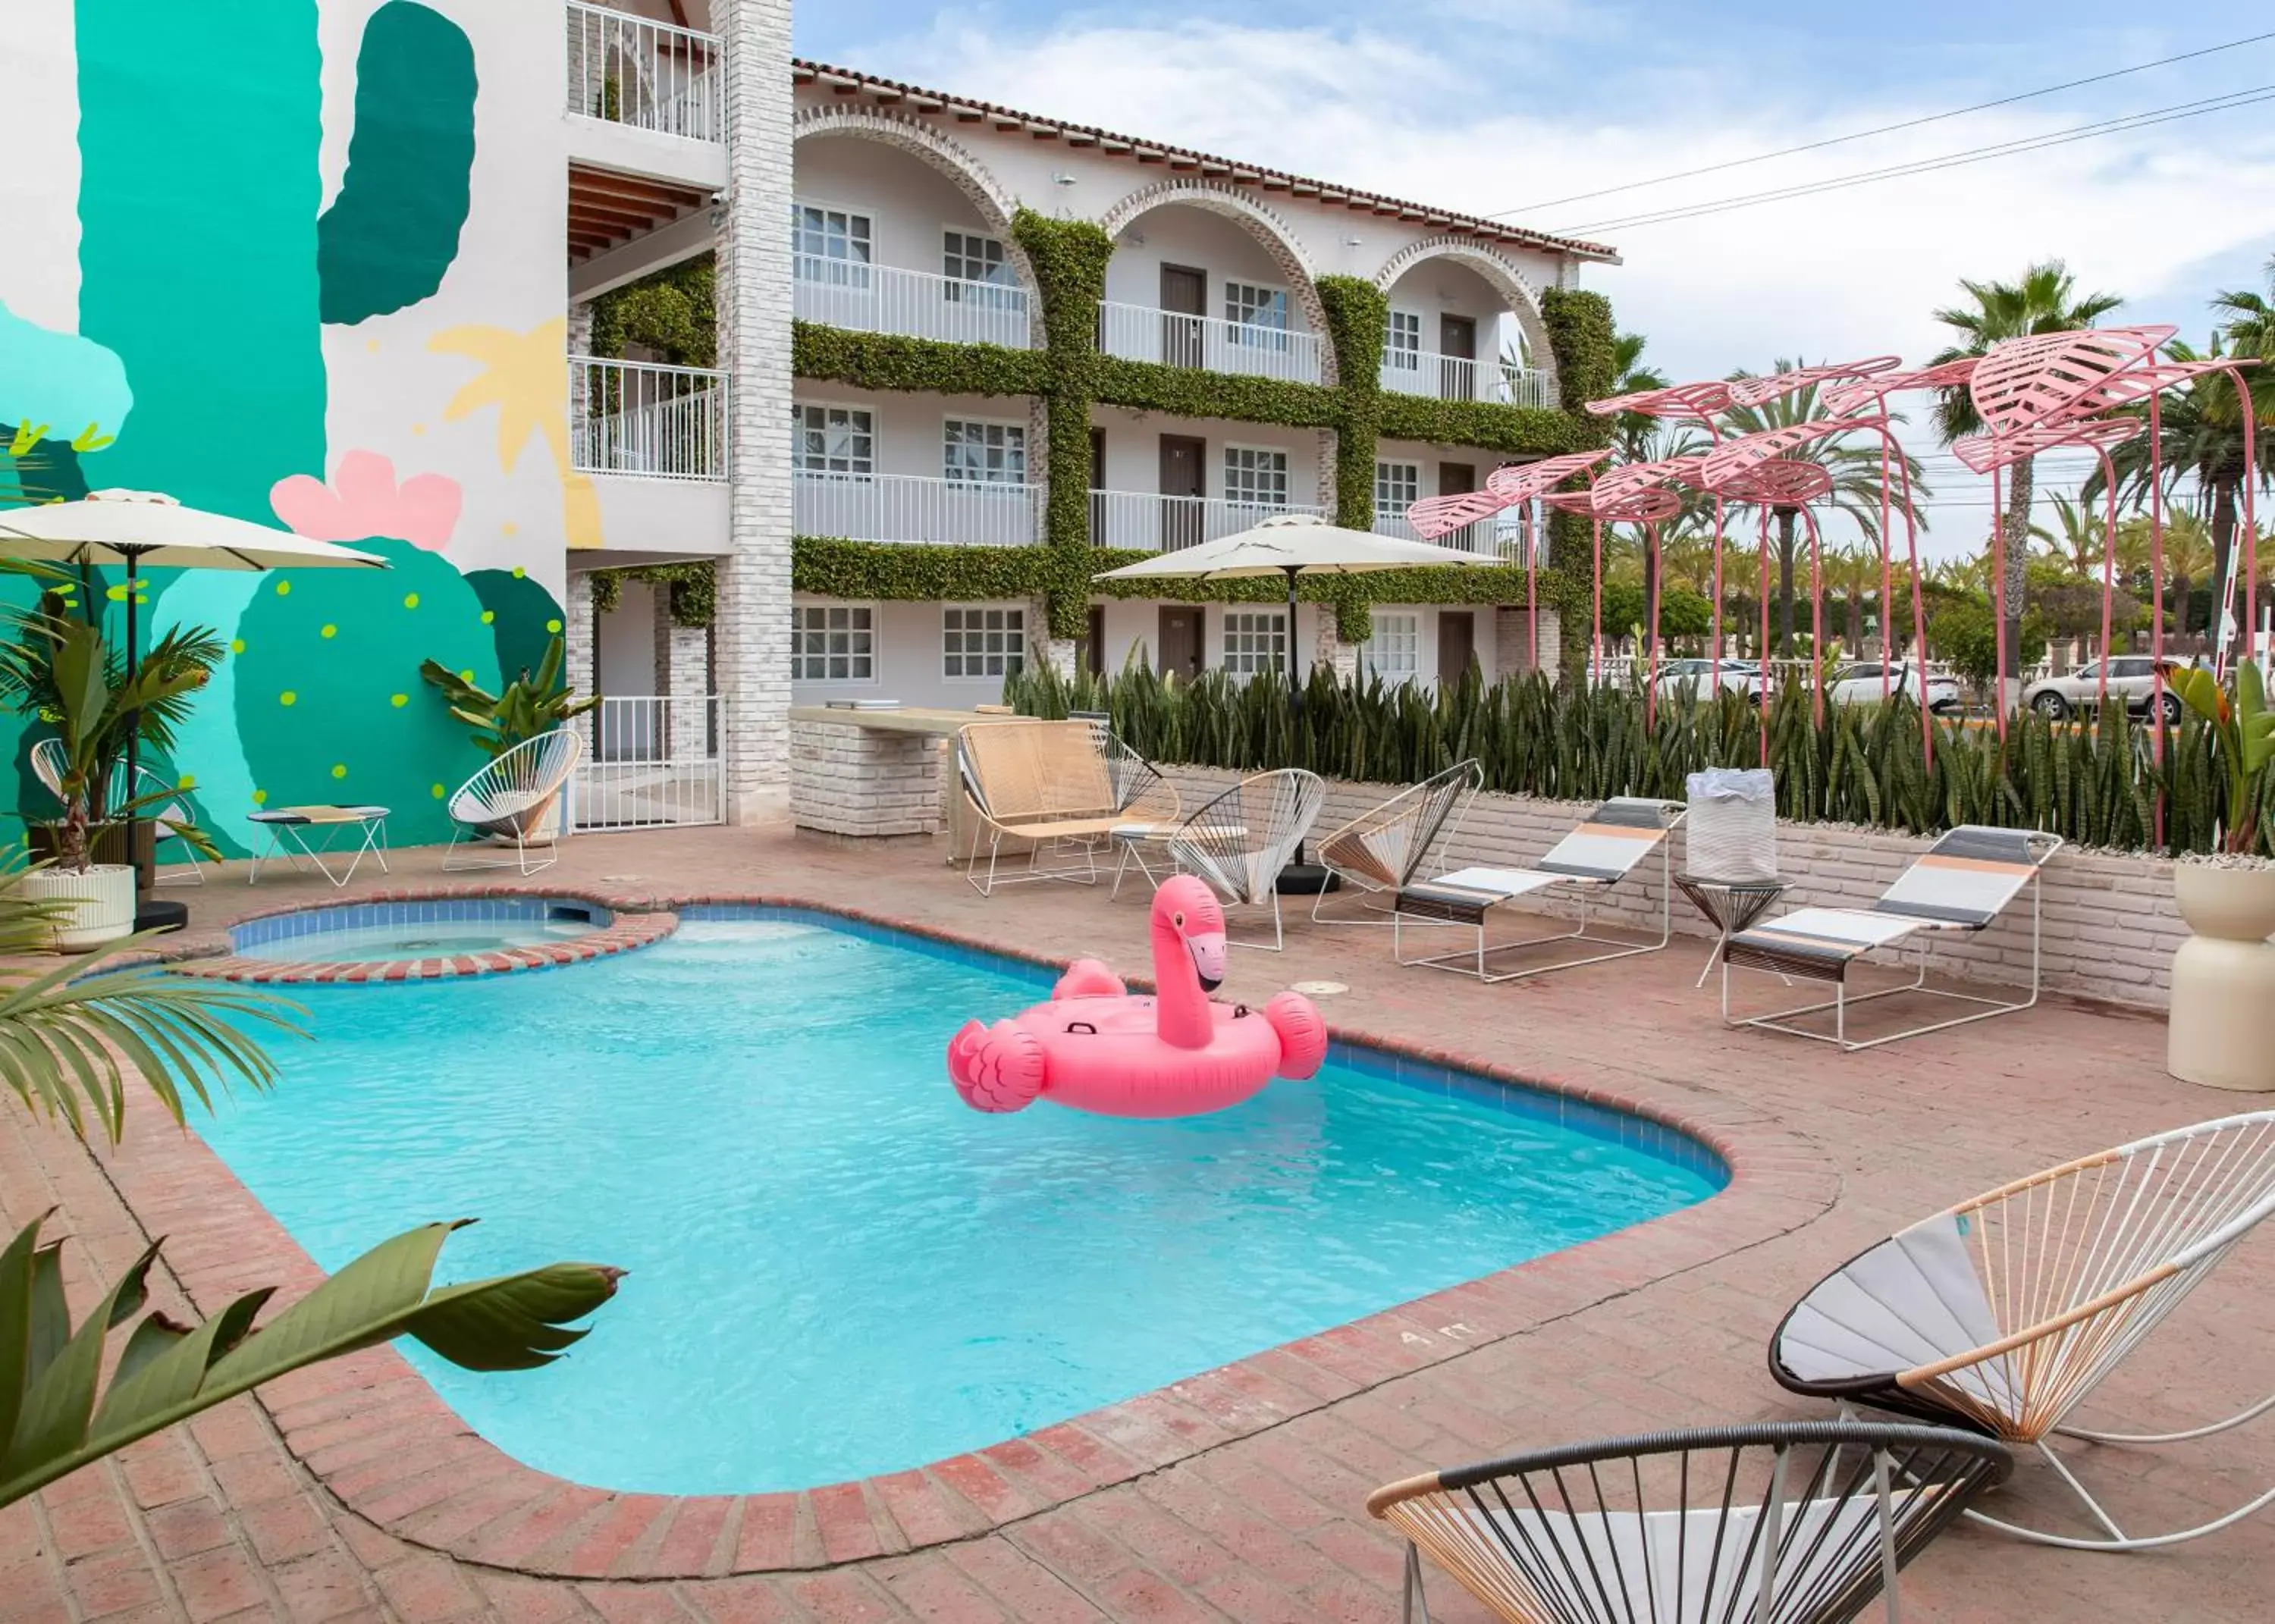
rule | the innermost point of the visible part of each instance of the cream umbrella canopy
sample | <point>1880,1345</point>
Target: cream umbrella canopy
<point>1294,545</point>
<point>139,528</point>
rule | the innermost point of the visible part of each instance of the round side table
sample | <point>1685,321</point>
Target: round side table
<point>1730,906</point>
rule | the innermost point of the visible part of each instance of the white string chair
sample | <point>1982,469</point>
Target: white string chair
<point>1241,840</point>
<point>1801,1522</point>
<point>167,820</point>
<point>1387,847</point>
<point>2004,1313</point>
<point>511,799</point>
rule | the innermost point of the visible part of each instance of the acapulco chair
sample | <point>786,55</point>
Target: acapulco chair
<point>1800,1523</point>
<point>2003,1314</point>
<point>1241,840</point>
<point>513,798</point>
<point>1388,846</point>
<point>167,821</point>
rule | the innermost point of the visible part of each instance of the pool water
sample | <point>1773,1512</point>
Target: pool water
<point>442,939</point>
<point>838,1269</point>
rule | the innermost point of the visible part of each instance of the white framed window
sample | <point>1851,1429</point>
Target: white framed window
<point>1402,345</point>
<point>833,643</point>
<point>839,440</point>
<point>1393,653</point>
<point>980,453</point>
<point>830,245</point>
<point>1258,314</point>
<point>967,256</point>
<point>1255,641</point>
<point>1397,486</point>
<point>978,640</point>
<point>1256,475</point>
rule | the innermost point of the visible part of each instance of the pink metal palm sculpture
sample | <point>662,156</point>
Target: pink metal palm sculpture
<point>1505,488</point>
<point>1648,507</point>
<point>1750,471</point>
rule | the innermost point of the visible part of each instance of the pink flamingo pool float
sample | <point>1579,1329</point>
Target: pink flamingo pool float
<point>1097,1047</point>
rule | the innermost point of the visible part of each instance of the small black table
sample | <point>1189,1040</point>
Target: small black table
<point>1730,906</point>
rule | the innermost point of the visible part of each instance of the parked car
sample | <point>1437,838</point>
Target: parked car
<point>2132,677</point>
<point>1699,676</point>
<point>1860,685</point>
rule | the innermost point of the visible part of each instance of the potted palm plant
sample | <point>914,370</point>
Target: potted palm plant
<point>60,669</point>
<point>534,704</point>
<point>2222,1025</point>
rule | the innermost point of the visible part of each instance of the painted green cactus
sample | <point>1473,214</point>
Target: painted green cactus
<point>393,230</point>
<point>329,703</point>
<point>521,616</point>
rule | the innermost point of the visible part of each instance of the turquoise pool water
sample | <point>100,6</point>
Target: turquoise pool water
<point>836,1268</point>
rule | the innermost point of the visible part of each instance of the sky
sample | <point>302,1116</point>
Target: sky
<point>1507,106</point>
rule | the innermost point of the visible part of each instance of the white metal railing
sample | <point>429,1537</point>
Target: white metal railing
<point>651,761</point>
<point>1141,333</point>
<point>891,507</point>
<point>627,70</point>
<point>662,422</point>
<point>1502,535</point>
<point>1452,377</point>
<point>885,298</point>
<point>1153,522</point>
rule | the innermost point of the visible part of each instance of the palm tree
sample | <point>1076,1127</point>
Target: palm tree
<point>2045,300</point>
<point>1853,462</point>
<point>2188,560</point>
<point>1632,433</point>
<point>2077,544</point>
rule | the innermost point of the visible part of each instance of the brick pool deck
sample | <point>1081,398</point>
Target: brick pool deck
<point>350,1491</point>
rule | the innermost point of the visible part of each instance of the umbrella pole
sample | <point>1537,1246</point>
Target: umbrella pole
<point>1302,877</point>
<point>133,724</point>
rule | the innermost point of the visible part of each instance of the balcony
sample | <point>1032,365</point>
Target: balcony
<point>1145,521</point>
<point>1452,377</point>
<point>884,298</point>
<point>655,422</point>
<point>1502,535</point>
<point>625,70</point>
<point>1141,333</point>
<point>888,506</point>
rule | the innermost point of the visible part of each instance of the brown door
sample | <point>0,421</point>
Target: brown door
<point>1097,536</point>
<point>1184,650</point>
<point>1457,342</point>
<point>1095,652</point>
<point>1457,646</point>
<point>1184,301</point>
<point>1183,485</point>
<point>1454,478</point>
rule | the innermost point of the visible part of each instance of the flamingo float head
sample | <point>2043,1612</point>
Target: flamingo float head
<point>1185,907</point>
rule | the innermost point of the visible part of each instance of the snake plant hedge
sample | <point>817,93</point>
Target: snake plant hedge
<point>2096,782</point>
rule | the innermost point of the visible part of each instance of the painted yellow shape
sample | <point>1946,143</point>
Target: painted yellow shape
<point>524,375</point>
<point>236,646</point>
<point>261,797</point>
<point>510,529</point>
<point>410,600</point>
<point>439,792</point>
<point>288,697</point>
<point>339,769</point>
<point>553,626</point>
<point>329,632</point>
<point>490,616</point>
<point>283,589</point>
<point>581,511</point>
<point>398,700</point>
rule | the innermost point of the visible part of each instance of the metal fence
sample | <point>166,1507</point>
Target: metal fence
<point>651,761</point>
<point>891,507</point>
<point>885,298</point>
<point>633,417</point>
<point>1453,377</point>
<point>1144,520</point>
<point>627,70</point>
<point>1142,333</point>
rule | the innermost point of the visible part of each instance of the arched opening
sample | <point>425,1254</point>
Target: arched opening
<point>1464,325</point>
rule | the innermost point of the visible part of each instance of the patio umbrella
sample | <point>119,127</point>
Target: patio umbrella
<point>1294,545</point>
<point>139,528</point>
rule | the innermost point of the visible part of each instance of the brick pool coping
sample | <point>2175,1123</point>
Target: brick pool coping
<point>375,1433</point>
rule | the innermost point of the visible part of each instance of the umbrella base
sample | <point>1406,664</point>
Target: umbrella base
<point>153,915</point>
<point>1305,880</point>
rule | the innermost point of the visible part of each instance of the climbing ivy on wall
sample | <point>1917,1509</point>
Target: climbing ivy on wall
<point>1070,258</point>
<point>1357,312</point>
<point>672,312</point>
<point>691,590</point>
<point>1580,332</point>
<point>890,361</point>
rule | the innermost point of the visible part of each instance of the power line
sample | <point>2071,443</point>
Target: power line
<point>1966,155</point>
<point>1886,129</point>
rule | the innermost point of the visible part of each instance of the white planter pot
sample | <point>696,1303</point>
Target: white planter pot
<point>2222,1029</point>
<point>102,899</point>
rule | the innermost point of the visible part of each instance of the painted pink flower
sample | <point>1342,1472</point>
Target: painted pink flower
<point>363,500</point>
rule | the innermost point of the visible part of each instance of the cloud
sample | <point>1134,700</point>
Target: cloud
<point>2149,213</point>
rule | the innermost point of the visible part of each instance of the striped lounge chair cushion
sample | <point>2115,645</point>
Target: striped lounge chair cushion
<point>1965,879</point>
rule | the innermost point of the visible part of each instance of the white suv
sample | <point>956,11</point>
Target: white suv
<point>1860,685</point>
<point>2131,678</point>
<point>1698,676</point>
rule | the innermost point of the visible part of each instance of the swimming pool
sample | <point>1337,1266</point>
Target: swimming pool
<point>836,1268</point>
<point>369,933</point>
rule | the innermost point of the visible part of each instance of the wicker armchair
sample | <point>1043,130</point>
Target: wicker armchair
<point>2003,1314</point>
<point>1387,847</point>
<point>1060,789</point>
<point>1799,1523</point>
<point>512,799</point>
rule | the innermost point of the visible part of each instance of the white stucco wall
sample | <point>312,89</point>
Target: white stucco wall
<point>909,202</point>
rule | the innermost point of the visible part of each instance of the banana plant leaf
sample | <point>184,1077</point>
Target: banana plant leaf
<point>57,1415</point>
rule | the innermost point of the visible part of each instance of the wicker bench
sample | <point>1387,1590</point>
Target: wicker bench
<point>1060,789</point>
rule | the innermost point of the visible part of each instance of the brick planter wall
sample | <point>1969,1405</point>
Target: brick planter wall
<point>2111,925</point>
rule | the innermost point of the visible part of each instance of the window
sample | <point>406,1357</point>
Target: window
<point>1393,653</point>
<point>1256,477</point>
<point>966,256</point>
<point>1258,315</point>
<point>2132,668</point>
<point>1402,349</point>
<point>840,440</point>
<point>982,642</point>
<point>832,643</point>
<point>985,453</point>
<point>1396,487</point>
<point>829,245</point>
<point>1255,643</point>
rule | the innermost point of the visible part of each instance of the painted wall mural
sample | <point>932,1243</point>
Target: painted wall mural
<point>319,259</point>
